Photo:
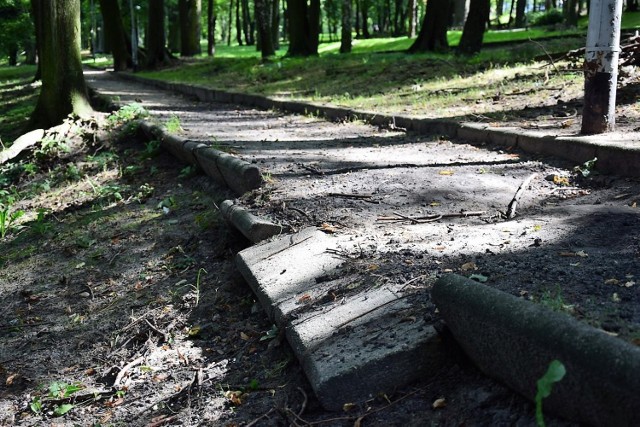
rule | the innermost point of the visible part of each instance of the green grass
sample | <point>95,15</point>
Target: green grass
<point>17,100</point>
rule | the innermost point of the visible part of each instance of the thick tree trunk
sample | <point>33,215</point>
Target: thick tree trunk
<point>115,34</point>
<point>571,15</point>
<point>263,21</point>
<point>474,27</point>
<point>520,17</point>
<point>64,90</point>
<point>304,26</point>
<point>157,54</point>
<point>238,24</point>
<point>190,11</point>
<point>246,23</point>
<point>345,37</point>
<point>275,23</point>
<point>365,19</point>
<point>433,34</point>
<point>460,12</point>
<point>230,23</point>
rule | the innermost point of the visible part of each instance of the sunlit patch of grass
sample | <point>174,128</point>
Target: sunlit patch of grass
<point>17,100</point>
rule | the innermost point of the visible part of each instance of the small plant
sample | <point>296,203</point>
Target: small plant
<point>173,125</point>
<point>267,178</point>
<point>187,172</point>
<point>207,219</point>
<point>57,391</point>
<point>128,113</point>
<point>8,218</point>
<point>587,168</point>
<point>151,149</point>
<point>554,374</point>
<point>40,226</point>
<point>196,287</point>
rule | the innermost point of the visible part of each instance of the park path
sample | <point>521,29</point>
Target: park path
<point>372,188</point>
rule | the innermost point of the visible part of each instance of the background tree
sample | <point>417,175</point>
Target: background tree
<point>115,34</point>
<point>521,5</point>
<point>211,28</point>
<point>16,30</point>
<point>157,53</point>
<point>412,12</point>
<point>263,20</point>
<point>433,34</point>
<point>304,27</point>
<point>190,11</point>
<point>345,37</point>
<point>474,27</point>
<point>64,90</point>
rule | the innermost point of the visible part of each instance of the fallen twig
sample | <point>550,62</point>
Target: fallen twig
<point>266,415</point>
<point>350,196</point>
<point>125,369</point>
<point>300,211</point>
<point>511,209</point>
<point>429,218</point>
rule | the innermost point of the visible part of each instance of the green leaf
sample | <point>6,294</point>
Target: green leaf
<point>62,409</point>
<point>555,373</point>
<point>479,278</point>
<point>36,405</point>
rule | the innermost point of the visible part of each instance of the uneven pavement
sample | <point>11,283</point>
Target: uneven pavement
<point>369,220</point>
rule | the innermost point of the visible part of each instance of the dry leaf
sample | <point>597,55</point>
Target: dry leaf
<point>582,254</point>
<point>328,228</point>
<point>304,298</point>
<point>244,336</point>
<point>611,282</point>
<point>235,396</point>
<point>114,403</point>
<point>469,266</point>
<point>373,267</point>
<point>90,371</point>
<point>358,422</point>
<point>348,406</point>
<point>439,403</point>
<point>629,284</point>
<point>11,378</point>
<point>446,172</point>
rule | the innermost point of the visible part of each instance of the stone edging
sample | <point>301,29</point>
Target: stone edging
<point>612,158</point>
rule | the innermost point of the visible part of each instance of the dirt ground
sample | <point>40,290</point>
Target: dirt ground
<point>122,300</point>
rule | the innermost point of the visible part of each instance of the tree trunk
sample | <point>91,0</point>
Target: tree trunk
<point>433,34</point>
<point>115,34</point>
<point>64,90</point>
<point>211,28</point>
<point>499,8</point>
<point>246,23</point>
<point>520,17</point>
<point>474,27</point>
<point>275,24</point>
<point>304,26</point>
<point>157,54</point>
<point>365,19</point>
<point>263,21</point>
<point>230,23</point>
<point>571,16</point>
<point>460,12</point>
<point>357,23</point>
<point>345,36</point>
<point>238,24</point>
<point>36,13</point>
<point>190,11</point>
<point>413,18</point>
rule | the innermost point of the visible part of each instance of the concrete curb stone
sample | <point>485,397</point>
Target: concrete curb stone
<point>351,348</point>
<point>619,159</point>
<point>238,175</point>
<point>252,227</point>
<point>514,340</point>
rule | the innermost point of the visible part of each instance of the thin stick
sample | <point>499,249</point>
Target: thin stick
<point>126,368</point>
<point>300,211</point>
<point>430,218</point>
<point>350,196</point>
<point>511,209</point>
<point>254,422</point>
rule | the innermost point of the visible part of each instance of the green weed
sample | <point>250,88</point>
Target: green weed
<point>57,391</point>
<point>127,113</point>
<point>208,219</point>
<point>555,373</point>
<point>8,217</point>
<point>40,226</point>
<point>173,125</point>
<point>188,172</point>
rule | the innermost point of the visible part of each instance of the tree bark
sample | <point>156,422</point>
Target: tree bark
<point>345,36</point>
<point>238,23</point>
<point>115,34</point>
<point>275,23</point>
<point>413,18</point>
<point>211,28</point>
<point>246,23</point>
<point>460,12</point>
<point>190,11</point>
<point>474,27</point>
<point>520,17</point>
<point>157,54</point>
<point>304,27</point>
<point>64,90</point>
<point>433,34</point>
<point>263,22</point>
<point>365,19</point>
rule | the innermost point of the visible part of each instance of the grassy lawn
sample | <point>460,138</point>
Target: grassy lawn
<point>17,100</point>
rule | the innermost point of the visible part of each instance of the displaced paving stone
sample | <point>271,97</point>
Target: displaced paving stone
<point>352,347</point>
<point>514,340</point>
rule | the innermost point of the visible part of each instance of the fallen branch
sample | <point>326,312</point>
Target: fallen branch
<point>24,142</point>
<point>429,218</point>
<point>511,209</point>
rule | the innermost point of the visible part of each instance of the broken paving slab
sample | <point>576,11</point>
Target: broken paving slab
<point>351,346</point>
<point>514,341</point>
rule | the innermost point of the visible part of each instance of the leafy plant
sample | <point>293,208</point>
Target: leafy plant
<point>554,374</point>
<point>151,149</point>
<point>8,218</point>
<point>187,172</point>
<point>587,168</point>
<point>127,113</point>
<point>40,226</point>
<point>57,390</point>
<point>173,125</point>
